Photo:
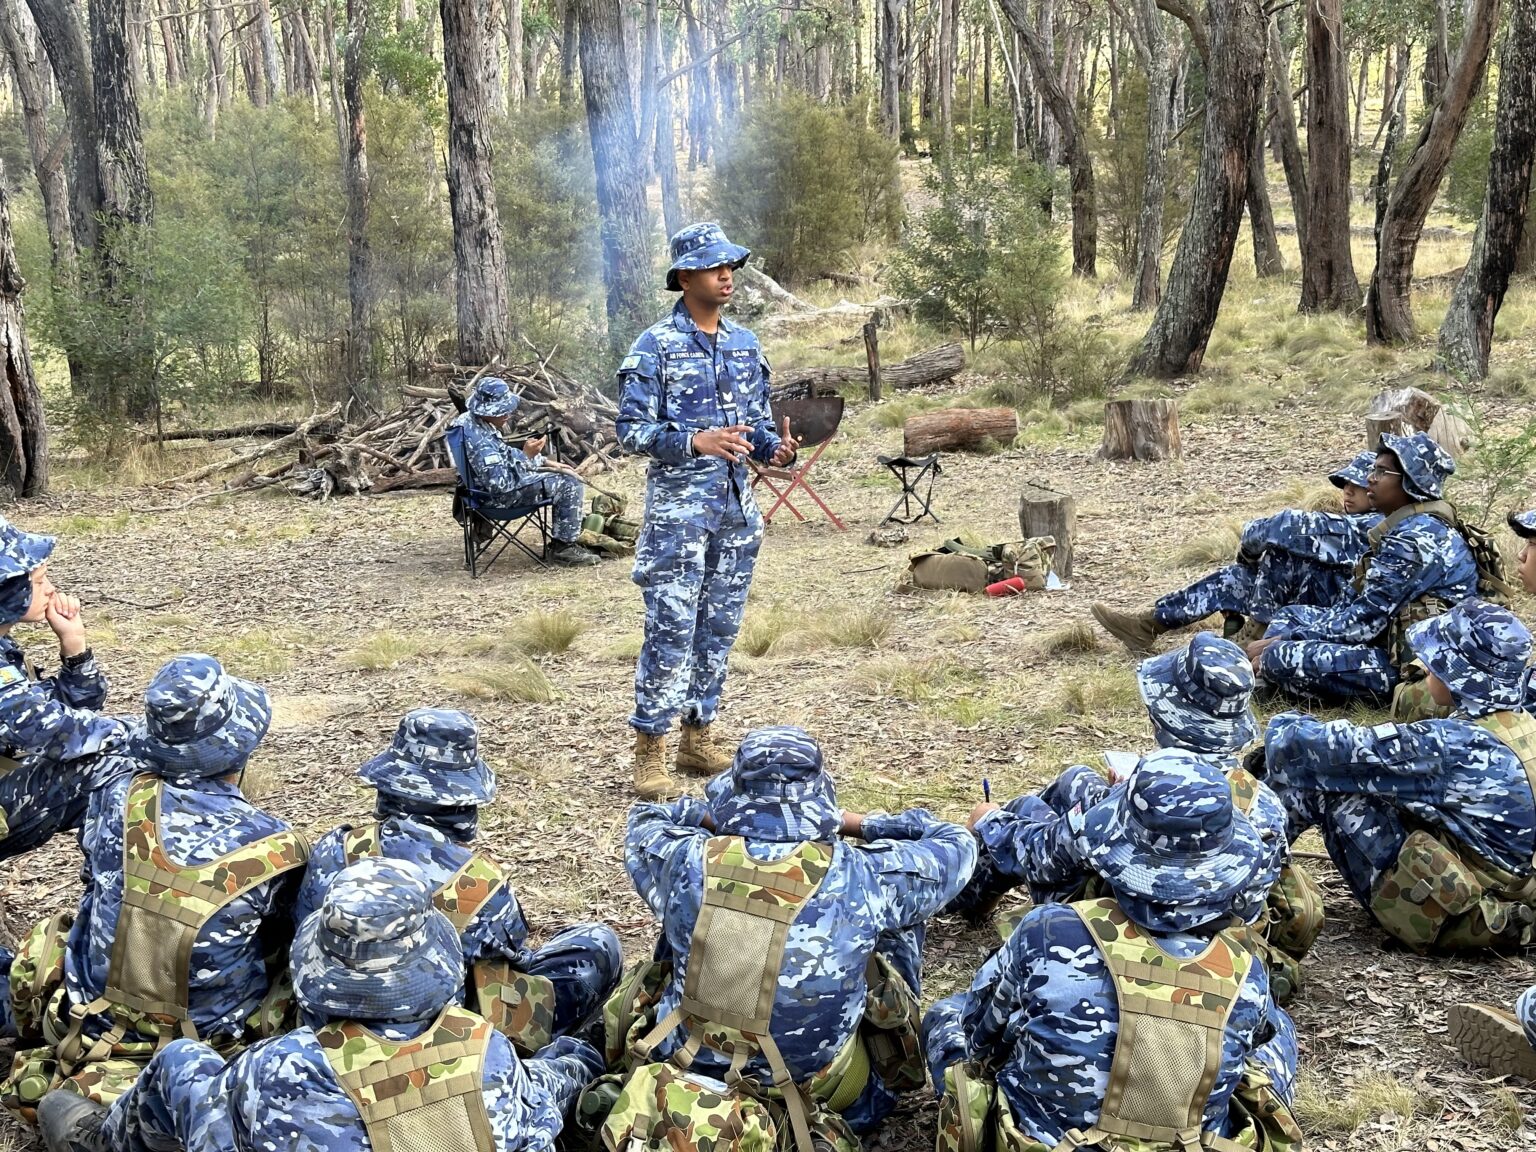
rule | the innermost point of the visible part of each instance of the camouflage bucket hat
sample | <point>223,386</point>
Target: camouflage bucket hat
<point>376,948</point>
<point>434,759</point>
<point>702,246</point>
<point>1523,524</point>
<point>1199,695</point>
<point>493,396</point>
<point>199,721</point>
<point>1356,472</point>
<point>1170,835</point>
<point>1426,466</point>
<point>776,789</point>
<point>1480,651</point>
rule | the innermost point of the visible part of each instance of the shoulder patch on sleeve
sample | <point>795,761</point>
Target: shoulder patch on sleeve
<point>10,674</point>
<point>630,363</point>
<point>1384,731</point>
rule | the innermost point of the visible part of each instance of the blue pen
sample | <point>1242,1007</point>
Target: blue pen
<point>986,790</point>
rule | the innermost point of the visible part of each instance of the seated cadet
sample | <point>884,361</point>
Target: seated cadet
<point>386,1059</point>
<point>1292,557</point>
<point>788,956</point>
<point>1136,1018</point>
<point>1198,699</point>
<point>1418,565</point>
<point>50,732</point>
<point>431,785</point>
<point>511,476</point>
<point>1432,825</point>
<point>185,915</point>
<point>1523,524</point>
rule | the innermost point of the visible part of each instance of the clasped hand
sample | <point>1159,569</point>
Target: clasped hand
<point>734,443</point>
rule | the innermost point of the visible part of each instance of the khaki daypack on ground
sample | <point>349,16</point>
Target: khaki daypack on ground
<point>958,567</point>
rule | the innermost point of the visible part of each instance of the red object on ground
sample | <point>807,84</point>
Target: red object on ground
<point>1013,586</point>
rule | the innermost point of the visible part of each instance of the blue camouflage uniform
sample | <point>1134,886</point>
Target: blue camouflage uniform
<point>875,897</point>
<point>376,953</point>
<point>702,527</point>
<point>1339,652</point>
<point>508,474</point>
<point>1371,787</point>
<point>431,785</point>
<point>1042,1015</point>
<point>51,727</point>
<point>1292,557</point>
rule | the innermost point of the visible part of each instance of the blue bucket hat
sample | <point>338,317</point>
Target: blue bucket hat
<point>775,789</point>
<point>493,396</point>
<point>1169,836</point>
<point>1356,472</point>
<point>1523,524</point>
<point>20,554</point>
<point>1480,651</point>
<point>434,759</point>
<point>1426,466</point>
<point>1199,695</point>
<point>702,246</point>
<point>376,948</point>
<point>199,721</point>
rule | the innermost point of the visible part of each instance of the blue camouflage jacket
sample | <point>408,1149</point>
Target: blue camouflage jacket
<point>55,718</point>
<point>1329,538</point>
<point>1448,775</point>
<point>1421,556</point>
<point>497,467</point>
<point>229,975</point>
<point>675,382</point>
<point>498,930</point>
<point>911,865</point>
<point>1042,1016</point>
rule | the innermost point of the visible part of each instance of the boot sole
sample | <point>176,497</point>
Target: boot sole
<point>1489,1039</point>
<point>1136,649</point>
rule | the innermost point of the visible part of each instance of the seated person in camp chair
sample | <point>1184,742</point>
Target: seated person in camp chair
<point>431,784</point>
<point>785,993</point>
<point>386,1059</point>
<point>186,912</point>
<point>512,477</point>
<point>1198,700</point>
<point>1141,1017</point>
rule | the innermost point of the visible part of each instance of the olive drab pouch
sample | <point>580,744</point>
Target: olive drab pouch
<point>1295,911</point>
<point>891,1030</point>
<point>37,973</point>
<point>519,1005</point>
<point>965,1110</point>
<point>1423,890</point>
<point>946,572</point>
<point>958,567</point>
<point>419,1095</point>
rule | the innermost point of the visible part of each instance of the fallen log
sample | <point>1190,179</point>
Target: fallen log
<point>1146,430</point>
<point>258,428</point>
<point>758,279</point>
<point>954,429</point>
<point>432,478</point>
<point>930,367</point>
<point>295,437</point>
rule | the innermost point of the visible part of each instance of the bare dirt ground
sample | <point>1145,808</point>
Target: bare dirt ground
<point>915,698</point>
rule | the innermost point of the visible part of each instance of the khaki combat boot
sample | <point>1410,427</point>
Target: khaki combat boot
<point>652,780</point>
<point>1491,1038</point>
<point>698,753</point>
<point>1136,630</point>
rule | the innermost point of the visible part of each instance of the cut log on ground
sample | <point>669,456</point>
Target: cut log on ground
<point>1403,411</point>
<point>1044,511</point>
<point>260,429</point>
<point>931,367</point>
<point>1145,430</point>
<point>956,429</point>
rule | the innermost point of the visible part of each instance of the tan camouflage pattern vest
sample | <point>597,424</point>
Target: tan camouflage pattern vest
<point>421,1095</point>
<point>519,1005</point>
<point>165,906</point>
<point>1517,732</point>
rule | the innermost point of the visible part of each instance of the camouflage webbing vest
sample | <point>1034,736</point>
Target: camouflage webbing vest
<point>420,1095</point>
<point>735,956</point>
<point>519,1005</point>
<point>1517,732</point>
<point>165,905</point>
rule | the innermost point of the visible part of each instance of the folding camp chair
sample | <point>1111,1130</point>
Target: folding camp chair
<point>912,473</point>
<point>488,527</point>
<point>814,421</point>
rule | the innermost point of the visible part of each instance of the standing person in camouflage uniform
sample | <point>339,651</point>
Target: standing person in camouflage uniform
<point>859,922</point>
<point>1045,1019</point>
<point>693,396</point>
<point>53,737</point>
<point>188,890</point>
<point>1292,557</point>
<point>1418,565</point>
<point>377,972</point>
<point>1432,824</point>
<point>511,475</point>
<point>431,786</point>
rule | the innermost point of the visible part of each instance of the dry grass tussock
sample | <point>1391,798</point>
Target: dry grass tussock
<point>1210,549</point>
<point>1070,639</point>
<point>1323,1111</point>
<point>543,633</point>
<point>921,680</point>
<point>515,680</point>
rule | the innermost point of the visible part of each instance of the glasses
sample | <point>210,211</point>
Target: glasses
<point>1378,473</point>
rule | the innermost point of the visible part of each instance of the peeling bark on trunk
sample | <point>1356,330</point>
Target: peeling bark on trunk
<point>47,156</point>
<point>271,61</point>
<point>1149,227</point>
<point>1328,282</point>
<point>1388,304</point>
<point>1283,113</point>
<point>515,64</point>
<point>23,433</point>
<point>1466,335</point>
<point>64,40</point>
<point>361,382</point>
<point>490,39</point>
<point>888,57</point>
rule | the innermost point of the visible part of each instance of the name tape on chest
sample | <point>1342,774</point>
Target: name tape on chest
<point>10,674</point>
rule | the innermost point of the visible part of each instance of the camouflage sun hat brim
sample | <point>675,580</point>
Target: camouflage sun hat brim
<point>398,775</point>
<point>1426,466</point>
<point>416,983</point>
<point>1356,472</point>
<point>1523,524</point>
<point>1480,651</point>
<point>775,789</point>
<point>21,552</point>
<point>701,246</point>
<point>218,753</point>
<point>1199,695</point>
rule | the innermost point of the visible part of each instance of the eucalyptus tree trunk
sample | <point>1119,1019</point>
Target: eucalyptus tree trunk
<point>516,67</point>
<point>362,384</point>
<point>23,432</point>
<point>47,155</point>
<point>888,55</point>
<point>1267,260</point>
<point>1283,117</point>
<point>1328,282</point>
<point>64,40</point>
<point>271,61</point>
<point>1152,43</point>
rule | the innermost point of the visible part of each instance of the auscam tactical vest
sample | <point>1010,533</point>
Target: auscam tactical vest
<point>1517,732</point>
<point>520,1005</point>
<point>165,905</point>
<point>420,1095</point>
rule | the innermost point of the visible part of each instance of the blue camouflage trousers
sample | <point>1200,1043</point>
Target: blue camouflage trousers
<point>1363,834</point>
<point>567,493</point>
<point>1258,592</point>
<point>42,798</point>
<point>695,581</point>
<point>584,963</point>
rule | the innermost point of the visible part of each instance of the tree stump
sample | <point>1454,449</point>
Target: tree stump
<point>1146,430</point>
<point>1044,511</point>
<point>1403,411</point>
<point>951,429</point>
